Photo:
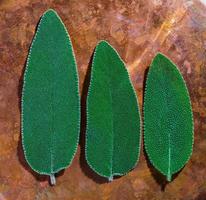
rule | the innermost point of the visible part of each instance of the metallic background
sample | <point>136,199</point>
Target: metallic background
<point>138,29</point>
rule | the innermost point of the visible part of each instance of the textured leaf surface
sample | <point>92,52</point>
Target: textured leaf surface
<point>50,99</point>
<point>168,121</point>
<point>113,120</point>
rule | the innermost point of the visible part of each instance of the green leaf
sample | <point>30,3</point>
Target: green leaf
<point>113,118</point>
<point>50,99</point>
<point>168,120</point>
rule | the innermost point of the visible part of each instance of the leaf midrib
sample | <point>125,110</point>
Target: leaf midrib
<point>112,121</point>
<point>166,97</point>
<point>54,65</point>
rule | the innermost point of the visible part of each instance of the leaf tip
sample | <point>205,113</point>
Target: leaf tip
<point>159,58</point>
<point>50,12</point>
<point>159,55</point>
<point>103,43</point>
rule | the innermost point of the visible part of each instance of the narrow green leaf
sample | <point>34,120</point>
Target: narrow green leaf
<point>168,120</point>
<point>50,99</point>
<point>113,118</point>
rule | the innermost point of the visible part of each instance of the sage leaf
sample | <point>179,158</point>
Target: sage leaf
<point>168,119</point>
<point>50,99</point>
<point>113,118</point>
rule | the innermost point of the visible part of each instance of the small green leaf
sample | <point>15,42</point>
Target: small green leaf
<point>113,118</point>
<point>50,99</point>
<point>168,120</point>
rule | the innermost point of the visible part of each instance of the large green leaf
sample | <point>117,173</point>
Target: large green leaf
<point>168,121</point>
<point>50,99</point>
<point>113,119</point>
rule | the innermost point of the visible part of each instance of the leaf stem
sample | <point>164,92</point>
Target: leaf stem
<point>52,179</point>
<point>110,179</point>
<point>169,177</point>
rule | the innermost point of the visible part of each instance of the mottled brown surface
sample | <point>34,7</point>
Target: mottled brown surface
<point>137,29</point>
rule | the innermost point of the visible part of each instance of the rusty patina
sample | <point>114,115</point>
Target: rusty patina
<point>138,30</point>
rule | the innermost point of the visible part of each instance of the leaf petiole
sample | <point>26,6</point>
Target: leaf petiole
<point>52,179</point>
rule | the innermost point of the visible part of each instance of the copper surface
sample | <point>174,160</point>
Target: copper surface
<point>138,29</point>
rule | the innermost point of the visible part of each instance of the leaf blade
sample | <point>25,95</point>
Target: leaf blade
<point>50,98</point>
<point>106,111</point>
<point>168,120</point>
